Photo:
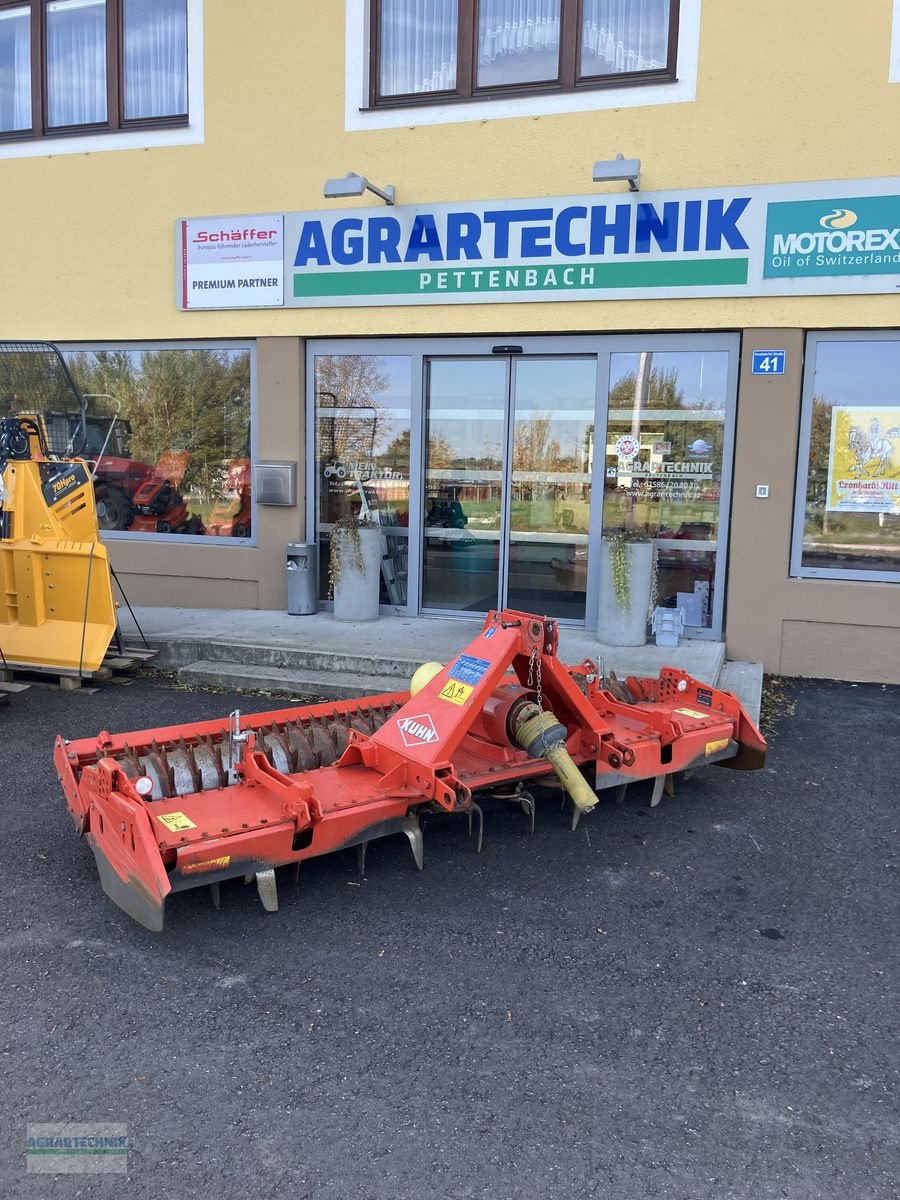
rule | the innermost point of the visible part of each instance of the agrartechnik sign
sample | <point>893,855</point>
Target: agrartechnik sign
<point>795,239</point>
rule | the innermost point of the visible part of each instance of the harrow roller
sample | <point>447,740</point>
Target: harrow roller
<point>170,809</point>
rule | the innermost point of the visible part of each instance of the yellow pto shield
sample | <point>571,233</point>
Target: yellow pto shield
<point>57,605</point>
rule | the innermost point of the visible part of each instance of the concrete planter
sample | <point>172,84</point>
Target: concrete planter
<point>618,626</point>
<point>358,579</point>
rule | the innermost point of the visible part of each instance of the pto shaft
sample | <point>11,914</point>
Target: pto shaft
<point>541,735</point>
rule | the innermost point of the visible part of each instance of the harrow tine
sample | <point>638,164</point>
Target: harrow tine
<point>268,889</point>
<point>295,874</point>
<point>576,817</point>
<point>619,793</point>
<point>215,895</point>
<point>659,782</point>
<point>414,833</point>
<point>669,786</point>
<point>361,848</point>
<point>528,806</point>
<point>476,809</point>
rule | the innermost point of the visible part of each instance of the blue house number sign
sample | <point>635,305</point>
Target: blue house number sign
<point>768,362</point>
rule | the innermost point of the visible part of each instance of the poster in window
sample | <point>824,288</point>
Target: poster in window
<point>864,460</point>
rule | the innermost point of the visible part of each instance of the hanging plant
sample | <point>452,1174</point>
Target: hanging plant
<point>350,526</point>
<point>620,542</point>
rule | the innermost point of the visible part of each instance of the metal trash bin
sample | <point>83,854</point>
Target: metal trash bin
<point>302,578</point>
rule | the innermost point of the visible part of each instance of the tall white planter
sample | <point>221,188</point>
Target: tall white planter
<point>626,626</point>
<point>358,577</point>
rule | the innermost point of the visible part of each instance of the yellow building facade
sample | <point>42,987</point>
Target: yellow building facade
<point>711,363</point>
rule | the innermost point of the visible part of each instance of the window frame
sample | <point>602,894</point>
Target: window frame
<point>797,570</point>
<point>568,80</point>
<point>189,539</point>
<point>115,122</point>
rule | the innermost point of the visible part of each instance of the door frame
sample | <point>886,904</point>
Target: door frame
<point>601,346</point>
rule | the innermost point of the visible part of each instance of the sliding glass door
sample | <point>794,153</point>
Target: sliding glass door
<point>508,454</point>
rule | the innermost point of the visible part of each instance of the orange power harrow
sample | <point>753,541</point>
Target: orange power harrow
<point>191,805</point>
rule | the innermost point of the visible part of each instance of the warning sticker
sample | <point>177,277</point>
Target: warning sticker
<point>176,822</point>
<point>456,693</point>
<point>716,746</point>
<point>210,864</point>
<point>468,669</point>
<point>692,712</point>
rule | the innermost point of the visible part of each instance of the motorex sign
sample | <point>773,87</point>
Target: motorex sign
<point>835,237</point>
<point>848,235</point>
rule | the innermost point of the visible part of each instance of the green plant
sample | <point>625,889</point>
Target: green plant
<point>620,542</point>
<point>350,526</point>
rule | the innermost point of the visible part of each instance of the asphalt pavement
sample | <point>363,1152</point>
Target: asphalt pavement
<point>697,1002</point>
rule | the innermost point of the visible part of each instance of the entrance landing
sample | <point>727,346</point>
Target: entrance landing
<point>270,651</point>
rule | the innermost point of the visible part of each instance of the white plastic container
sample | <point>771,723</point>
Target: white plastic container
<point>668,625</point>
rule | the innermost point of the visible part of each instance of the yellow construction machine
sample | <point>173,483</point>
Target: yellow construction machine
<point>57,610</point>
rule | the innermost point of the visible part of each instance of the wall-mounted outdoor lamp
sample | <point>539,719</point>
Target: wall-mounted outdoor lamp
<point>352,184</point>
<point>612,169</point>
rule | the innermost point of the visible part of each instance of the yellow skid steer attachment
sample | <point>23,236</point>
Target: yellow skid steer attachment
<point>56,608</point>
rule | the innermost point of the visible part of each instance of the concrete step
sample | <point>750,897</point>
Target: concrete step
<point>289,681</point>
<point>744,680</point>
<point>182,652</point>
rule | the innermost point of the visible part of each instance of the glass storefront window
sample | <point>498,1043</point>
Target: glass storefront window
<point>664,453</point>
<point>362,437</point>
<point>848,497</point>
<point>168,433</point>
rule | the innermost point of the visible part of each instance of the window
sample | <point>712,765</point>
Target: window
<point>667,455</point>
<point>468,49</point>
<point>169,435</point>
<point>74,65</point>
<point>847,522</point>
<point>362,458</point>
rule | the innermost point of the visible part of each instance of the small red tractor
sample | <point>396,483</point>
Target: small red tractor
<point>175,808</point>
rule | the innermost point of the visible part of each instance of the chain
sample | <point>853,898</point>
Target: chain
<point>534,680</point>
<point>534,676</point>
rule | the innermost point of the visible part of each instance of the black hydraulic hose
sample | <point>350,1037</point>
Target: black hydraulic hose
<point>128,605</point>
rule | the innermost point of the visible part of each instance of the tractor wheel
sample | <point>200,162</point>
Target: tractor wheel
<point>114,510</point>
